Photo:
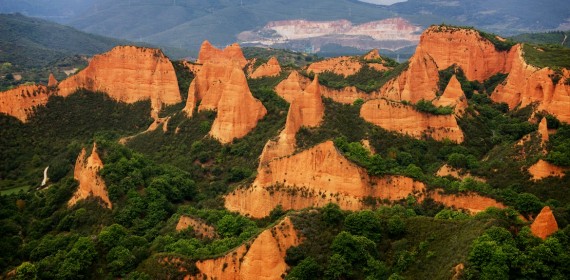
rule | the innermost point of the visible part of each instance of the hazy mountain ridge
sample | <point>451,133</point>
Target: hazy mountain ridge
<point>185,23</point>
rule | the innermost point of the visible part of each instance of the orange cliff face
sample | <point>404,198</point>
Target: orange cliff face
<point>129,74</point>
<point>222,86</point>
<point>322,175</point>
<point>199,226</point>
<point>405,119</point>
<point>90,182</point>
<point>466,48</point>
<point>20,102</point>
<point>264,258</point>
<point>543,169</point>
<point>453,96</point>
<point>296,83</point>
<point>269,69</point>
<point>52,82</point>
<point>232,52</point>
<point>545,224</point>
<point>306,109</point>
<point>543,132</point>
<point>344,65</point>
<point>418,81</point>
<point>527,84</point>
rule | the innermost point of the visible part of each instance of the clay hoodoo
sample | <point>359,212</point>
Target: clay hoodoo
<point>344,65</point>
<point>269,69</point>
<point>232,52</point>
<point>321,175</point>
<point>307,109</point>
<point>222,86</point>
<point>453,96</point>
<point>545,224</point>
<point>543,169</point>
<point>129,74</point>
<point>405,119</point>
<point>90,182</point>
<point>372,55</point>
<point>20,102</point>
<point>199,227</point>
<point>418,81</point>
<point>466,48</point>
<point>527,84</point>
<point>52,82</point>
<point>264,258</point>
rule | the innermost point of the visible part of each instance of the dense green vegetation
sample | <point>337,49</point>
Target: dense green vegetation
<point>284,56</point>
<point>552,56</point>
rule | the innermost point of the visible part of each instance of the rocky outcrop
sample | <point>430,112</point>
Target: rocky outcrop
<point>471,202</point>
<point>269,69</point>
<point>453,96</point>
<point>466,48</point>
<point>222,86</point>
<point>296,83</point>
<point>90,182</point>
<point>321,175</point>
<point>372,55</point>
<point>306,109</point>
<point>52,82</point>
<point>543,169</point>
<point>405,119</point>
<point>232,52</point>
<point>545,224</point>
<point>200,227</point>
<point>447,170</point>
<point>344,65</point>
<point>129,74</point>
<point>418,81</point>
<point>263,258</point>
<point>543,131</point>
<point>21,101</point>
<point>527,84</point>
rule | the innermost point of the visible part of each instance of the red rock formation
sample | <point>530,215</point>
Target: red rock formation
<point>471,202</point>
<point>405,119</point>
<point>264,258</point>
<point>129,74</point>
<point>232,52</point>
<point>543,169</point>
<point>543,131</point>
<point>344,65</point>
<point>296,83</point>
<point>90,182</point>
<point>545,224</point>
<point>321,175</point>
<point>307,109</point>
<point>417,82</point>
<point>453,96</point>
<point>52,82</point>
<point>21,101</point>
<point>222,86</point>
<point>192,67</point>
<point>292,86</point>
<point>269,69</point>
<point>527,84</point>
<point>466,48</point>
<point>197,225</point>
<point>447,170</point>
<point>372,55</point>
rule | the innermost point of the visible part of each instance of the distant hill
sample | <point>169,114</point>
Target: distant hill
<point>561,38</point>
<point>28,42</point>
<point>186,23</point>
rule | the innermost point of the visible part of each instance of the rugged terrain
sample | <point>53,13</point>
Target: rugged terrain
<point>348,168</point>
